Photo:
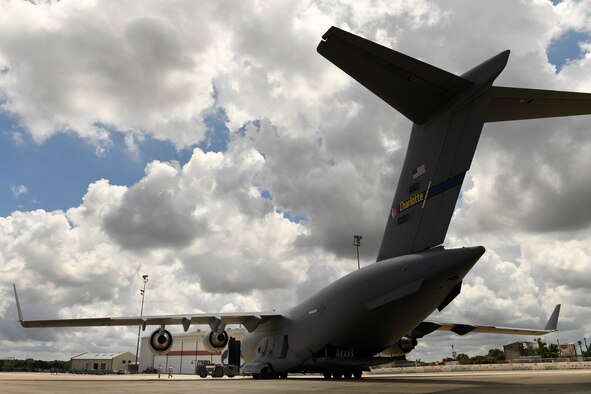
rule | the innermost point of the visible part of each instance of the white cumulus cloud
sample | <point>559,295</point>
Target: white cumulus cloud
<point>302,131</point>
<point>18,190</point>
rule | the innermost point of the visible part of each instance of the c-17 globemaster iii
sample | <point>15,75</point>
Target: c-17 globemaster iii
<point>377,312</point>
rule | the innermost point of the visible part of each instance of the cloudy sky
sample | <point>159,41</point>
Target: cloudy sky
<point>208,145</point>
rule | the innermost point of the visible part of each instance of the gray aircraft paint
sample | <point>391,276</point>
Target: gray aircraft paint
<point>342,327</point>
<point>339,315</point>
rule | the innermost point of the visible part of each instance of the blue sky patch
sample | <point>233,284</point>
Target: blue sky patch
<point>217,135</point>
<point>56,174</point>
<point>242,130</point>
<point>293,218</point>
<point>566,48</point>
<point>266,195</point>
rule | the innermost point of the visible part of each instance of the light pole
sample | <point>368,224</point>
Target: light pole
<point>139,329</point>
<point>357,243</point>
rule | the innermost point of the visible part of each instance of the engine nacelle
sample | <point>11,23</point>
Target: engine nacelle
<point>215,341</point>
<point>403,346</point>
<point>160,343</point>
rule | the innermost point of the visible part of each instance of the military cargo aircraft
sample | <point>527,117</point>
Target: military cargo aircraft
<point>377,312</point>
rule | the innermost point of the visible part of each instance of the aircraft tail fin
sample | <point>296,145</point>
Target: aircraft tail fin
<point>553,320</point>
<point>448,113</point>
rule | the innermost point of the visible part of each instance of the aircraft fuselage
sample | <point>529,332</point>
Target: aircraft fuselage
<point>362,313</point>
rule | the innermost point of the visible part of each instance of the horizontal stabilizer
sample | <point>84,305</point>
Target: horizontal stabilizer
<point>516,104</point>
<point>415,89</point>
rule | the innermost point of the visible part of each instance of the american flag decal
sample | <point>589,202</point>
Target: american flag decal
<point>394,212</point>
<point>420,170</point>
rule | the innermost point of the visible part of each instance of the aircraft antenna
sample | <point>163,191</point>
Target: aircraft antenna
<point>357,243</point>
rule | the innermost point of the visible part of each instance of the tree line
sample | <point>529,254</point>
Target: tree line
<point>34,365</point>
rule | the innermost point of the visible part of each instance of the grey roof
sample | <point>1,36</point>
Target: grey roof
<point>97,356</point>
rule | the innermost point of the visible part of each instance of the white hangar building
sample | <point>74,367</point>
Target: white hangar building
<point>107,362</point>
<point>187,350</point>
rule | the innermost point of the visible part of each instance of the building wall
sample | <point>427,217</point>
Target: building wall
<point>187,350</point>
<point>90,364</point>
<point>568,350</point>
<point>122,361</point>
<point>512,351</point>
<point>517,350</point>
<point>104,364</point>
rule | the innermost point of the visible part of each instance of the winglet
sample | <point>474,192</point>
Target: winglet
<point>553,321</point>
<point>18,305</point>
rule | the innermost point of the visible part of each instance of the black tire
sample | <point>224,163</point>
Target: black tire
<point>202,372</point>
<point>255,376</point>
<point>283,375</point>
<point>357,374</point>
<point>337,374</point>
<point>348,374</point>
<point>218,372</point>
<point>327,375</point>
<point>265,373</point>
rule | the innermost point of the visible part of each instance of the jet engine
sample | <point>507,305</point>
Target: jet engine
<point>160,342</point>
<point>403,346</point>
<point>215,341</point>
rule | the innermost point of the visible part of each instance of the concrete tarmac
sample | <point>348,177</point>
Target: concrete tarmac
<point>565,381</point>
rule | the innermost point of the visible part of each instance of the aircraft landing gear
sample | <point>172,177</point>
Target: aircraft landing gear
<point>267,373</point>
<point>340,374</point>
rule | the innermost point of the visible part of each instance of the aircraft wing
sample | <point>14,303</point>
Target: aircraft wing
<point>249,320</point>
<point>427,327</point>
<point>517,103</point>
